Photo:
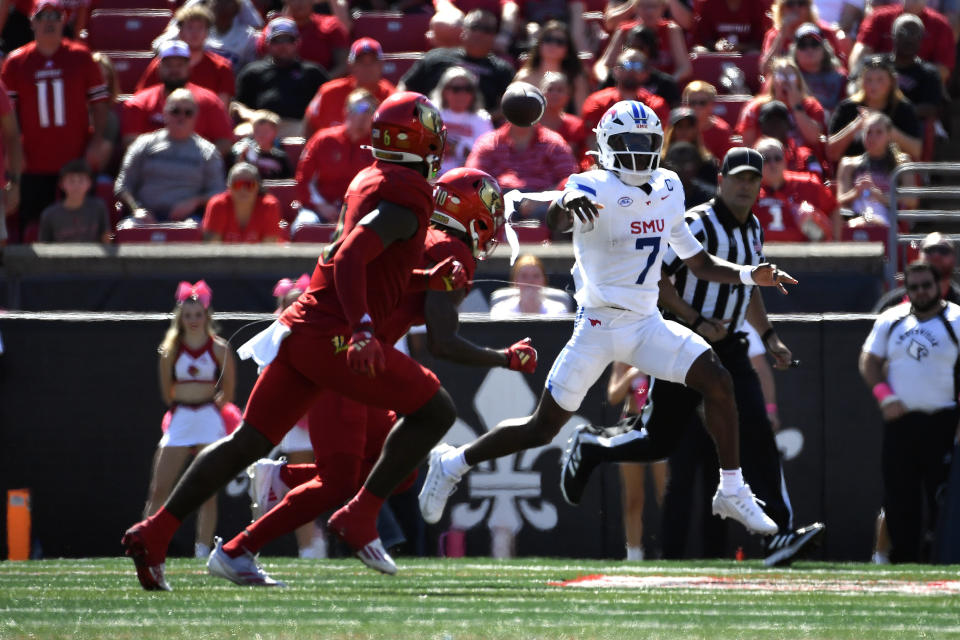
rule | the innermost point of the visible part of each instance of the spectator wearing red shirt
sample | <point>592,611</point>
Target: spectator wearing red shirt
<point>793,207</point>
<point>672,56</point>
<point>788,15</point>
<point>207,70</point>
<point>11,156</point>
<point>730,25</point>
<point>876,35</point>
<point>525,158</point>
<point>807,119</point>
<point>331,159</point>
<point>628,74</point>
<point>324,40</point>
<point>556,89</point>
<point>774,122</point>
<point>144,111</point>
<point>364,71</point>
<point>715,133</point>
<point>58,91</point>
<point>243,213</point>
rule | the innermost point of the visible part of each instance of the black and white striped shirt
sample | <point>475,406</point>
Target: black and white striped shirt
<point>721,235</point>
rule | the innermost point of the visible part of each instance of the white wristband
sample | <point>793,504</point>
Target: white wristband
<point>890,399</point>
<point>746,275</point>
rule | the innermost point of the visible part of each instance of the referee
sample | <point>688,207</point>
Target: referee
<point>727,229</point>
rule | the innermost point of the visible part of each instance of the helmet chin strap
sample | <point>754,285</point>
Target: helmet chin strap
<point>632,179</point>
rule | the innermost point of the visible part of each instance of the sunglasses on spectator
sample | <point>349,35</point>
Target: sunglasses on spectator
<point>918,286</point>
<point>772,157</point>
<point>938,250</point>
<point>244,184</point>
<point>361,106</point>
<point>185,112</point>
<point>460,88</point>
<point>808,43</point>
<point>560,42</point>
<point>796,4</point>
<point>633,65</point>
<point>484,28</point>
<point>699,103</point>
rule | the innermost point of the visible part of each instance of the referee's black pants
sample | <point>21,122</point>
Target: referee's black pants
<point>675,411</point>
<point>917,449</point>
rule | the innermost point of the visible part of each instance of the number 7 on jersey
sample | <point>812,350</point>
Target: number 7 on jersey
<point>654,245</point>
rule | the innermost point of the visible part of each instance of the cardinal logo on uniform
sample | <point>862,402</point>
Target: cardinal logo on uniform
<point>917,351</point>
<point>594,322</point>
<point>193,370</point>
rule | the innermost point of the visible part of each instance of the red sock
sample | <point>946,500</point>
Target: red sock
<point>365,503</point>
<point>293,475</point>
<point>236,546</point>
<point>162,525</point>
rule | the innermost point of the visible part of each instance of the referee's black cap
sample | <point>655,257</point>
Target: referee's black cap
<point>740,159</point>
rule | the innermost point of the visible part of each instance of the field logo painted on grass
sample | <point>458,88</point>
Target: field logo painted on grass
<point>725,583</point>
<point>509,487</point>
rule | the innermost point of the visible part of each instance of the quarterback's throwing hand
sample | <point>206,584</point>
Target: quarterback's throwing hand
<point>582,207</point>
<point>768,275</point>
<point>446,275</point>
<point>364,353</point>
<point>521,356</point>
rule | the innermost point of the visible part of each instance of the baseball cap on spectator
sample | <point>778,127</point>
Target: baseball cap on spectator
<point>173,48</point>
<point>937,239</point>
<point>282,27</point>
<point>46,5</point>
<point>808,30</point>
<point>682,113</point>
<point>740,159</point>
<point>362,46</point>
<point>773,109</point>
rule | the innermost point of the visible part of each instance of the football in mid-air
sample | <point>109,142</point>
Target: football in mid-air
<point>522,104</point>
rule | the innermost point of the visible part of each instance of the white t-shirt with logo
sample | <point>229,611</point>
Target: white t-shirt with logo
<point>618,259</point>
<point>921,355</point>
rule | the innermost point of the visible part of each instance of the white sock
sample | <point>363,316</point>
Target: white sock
<point>634,554</point>
<point>453,462</point>
<point>731,480</point>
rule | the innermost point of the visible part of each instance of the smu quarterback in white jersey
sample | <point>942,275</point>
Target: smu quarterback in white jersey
<point>618,259</point>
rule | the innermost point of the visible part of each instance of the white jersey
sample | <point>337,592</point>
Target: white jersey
<point>618,260</point>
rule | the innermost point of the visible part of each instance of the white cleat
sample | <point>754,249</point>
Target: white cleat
<point>266,489</point>
<point>742,507</point>
<point>437,486</point>
<point>376,557</point>
<point>242,570</point>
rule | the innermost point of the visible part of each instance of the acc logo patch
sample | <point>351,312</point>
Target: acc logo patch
<point>625,201</point>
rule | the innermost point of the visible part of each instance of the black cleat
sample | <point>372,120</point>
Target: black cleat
<point>782,549</point>
<point>574,470</point>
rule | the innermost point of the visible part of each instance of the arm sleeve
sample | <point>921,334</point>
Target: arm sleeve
<point>133,119</point>
<point>350,262</point>
<point>876,342</point>
<point>131,169</point>
<point>213,217</point>
<point>306,169</point>
<point>682,240</point>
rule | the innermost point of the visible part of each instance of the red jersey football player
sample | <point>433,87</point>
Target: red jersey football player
<point>468,213</point>
<point>327,340</point>
<point>52,82</point>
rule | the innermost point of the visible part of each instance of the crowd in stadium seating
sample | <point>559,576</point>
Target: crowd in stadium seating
<point>288,88</point>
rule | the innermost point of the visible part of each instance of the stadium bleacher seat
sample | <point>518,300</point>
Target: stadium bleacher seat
<point>159,233</point>
<point>293,147</point>
<point>708,66</point>
<point>728,108</point>
<point>314,233</point>
<point>394,31</point>
<point>125,29</point>
<point>286,192</point>
<point>130,66</point>
<point>397,64</point>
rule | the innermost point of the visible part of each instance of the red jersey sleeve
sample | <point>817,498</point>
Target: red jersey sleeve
<point>149,77</point>
<point>399,192</point>
<point>307,167</point>
<point>870,32</point>
<point>593,108</point>
<point>216,214</point>
<point>225,81</point>
<point>11,76</point>
<point>748,117</point>
<point>439,246</point>
<point>96,85</point>
<point>269,216</point>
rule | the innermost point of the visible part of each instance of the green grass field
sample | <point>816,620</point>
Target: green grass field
<point>476,598</point>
